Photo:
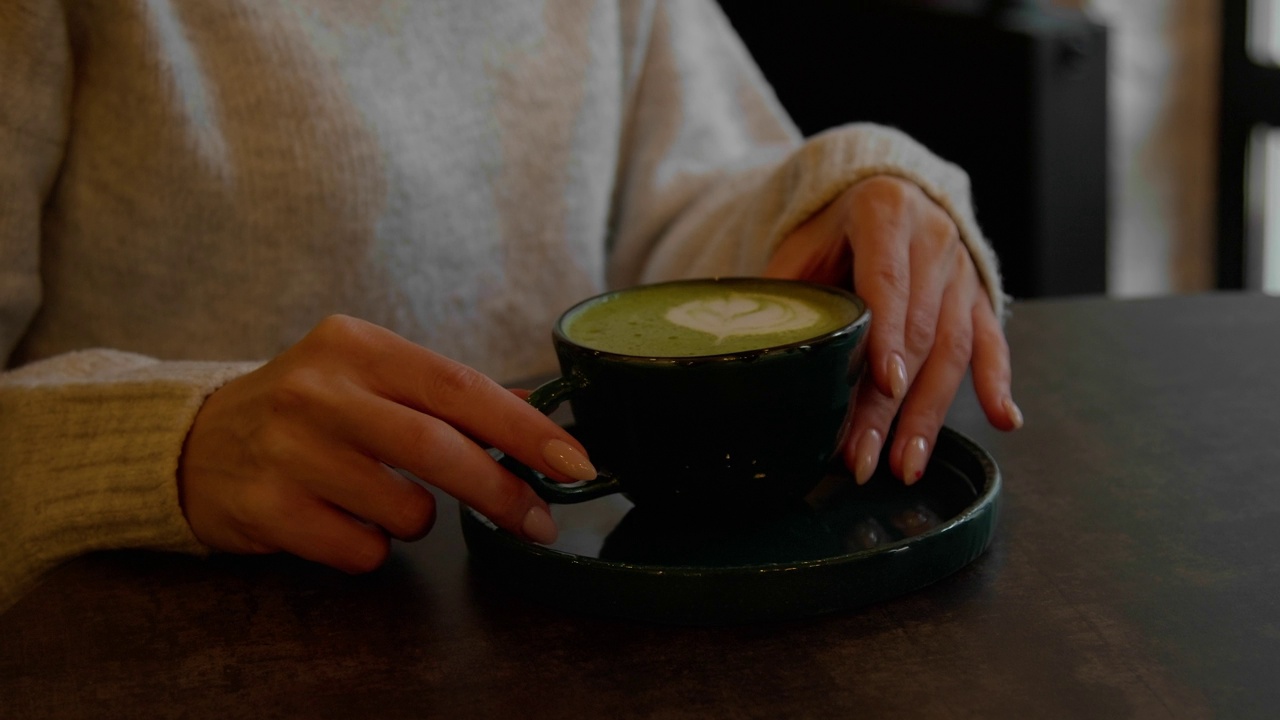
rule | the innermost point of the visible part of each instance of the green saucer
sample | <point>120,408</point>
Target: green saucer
<point>844,547</point>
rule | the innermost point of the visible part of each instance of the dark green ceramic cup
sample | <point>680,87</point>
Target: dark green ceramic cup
<point>716,429</point>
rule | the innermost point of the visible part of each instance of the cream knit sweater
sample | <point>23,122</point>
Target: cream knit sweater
<point>187,187</point>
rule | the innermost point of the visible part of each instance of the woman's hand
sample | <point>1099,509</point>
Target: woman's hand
<point>298,455</point>
<point>931,318</point>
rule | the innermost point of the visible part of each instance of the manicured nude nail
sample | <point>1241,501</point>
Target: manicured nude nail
<point>539,526</point>
<point>565,458</point>
<point>897,376</point>
<point>867,454</point>
<point>914,457</point>
<point>1014,412</point>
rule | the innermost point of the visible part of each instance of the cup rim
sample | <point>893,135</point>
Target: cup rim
<point>862,318</point>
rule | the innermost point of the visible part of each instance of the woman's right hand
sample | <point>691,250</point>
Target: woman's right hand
<point>299,455</point>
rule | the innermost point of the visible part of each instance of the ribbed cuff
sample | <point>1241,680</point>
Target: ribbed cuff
<point>91,443</point>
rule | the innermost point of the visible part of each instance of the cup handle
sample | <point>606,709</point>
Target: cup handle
<point>547,398</point>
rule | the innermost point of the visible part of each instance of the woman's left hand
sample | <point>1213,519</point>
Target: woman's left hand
<point>931,317</point>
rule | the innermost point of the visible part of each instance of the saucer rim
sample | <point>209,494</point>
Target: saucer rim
<point>485,540</point>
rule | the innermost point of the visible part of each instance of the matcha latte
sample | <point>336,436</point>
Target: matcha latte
<point>696,318</point>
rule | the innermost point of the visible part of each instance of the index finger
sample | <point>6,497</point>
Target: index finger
<point>882,277</point>
<point>488,412</point>
<point>466,399</point>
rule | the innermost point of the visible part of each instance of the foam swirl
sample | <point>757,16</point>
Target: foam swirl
<point>738,314</point>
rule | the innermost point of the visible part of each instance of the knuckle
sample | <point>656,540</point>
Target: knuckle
<point>340,336</point>
<point>920,330</point>
<point>273,446</point>
<point>262,507</point>
<point>955,347</point>
<point>891,279</point>
<point>883,201</point>
<point>296,389</point>
<point>991,337</point>
<point>337,328</point>
<point>942,230</point>
<point>883,190</point>
<point>437,448</point>
<point>454,380</point>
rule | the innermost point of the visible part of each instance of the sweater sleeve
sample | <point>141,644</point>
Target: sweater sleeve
<point>714,175</point>
<point>89,441</point>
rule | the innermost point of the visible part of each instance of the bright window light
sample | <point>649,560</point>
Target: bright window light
<point>1264,31</point>
<point>1262,251</point>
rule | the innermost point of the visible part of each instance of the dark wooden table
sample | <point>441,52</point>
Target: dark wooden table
<point>1136,573</point>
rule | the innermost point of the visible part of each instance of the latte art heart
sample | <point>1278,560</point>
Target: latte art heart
<point>738,314</point>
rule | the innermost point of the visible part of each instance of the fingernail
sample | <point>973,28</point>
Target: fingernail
<point>1014,412</point>
<point>565,458</point>
<point>867,455</point>
<point>897,376</point>
<point>914,457</point>
<point>538,526</point>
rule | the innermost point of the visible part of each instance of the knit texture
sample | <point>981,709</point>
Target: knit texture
<point>189,187</point>
<point>92,463</point>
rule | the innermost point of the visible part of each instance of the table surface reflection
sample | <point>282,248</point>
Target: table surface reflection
<point>1134,574</point>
